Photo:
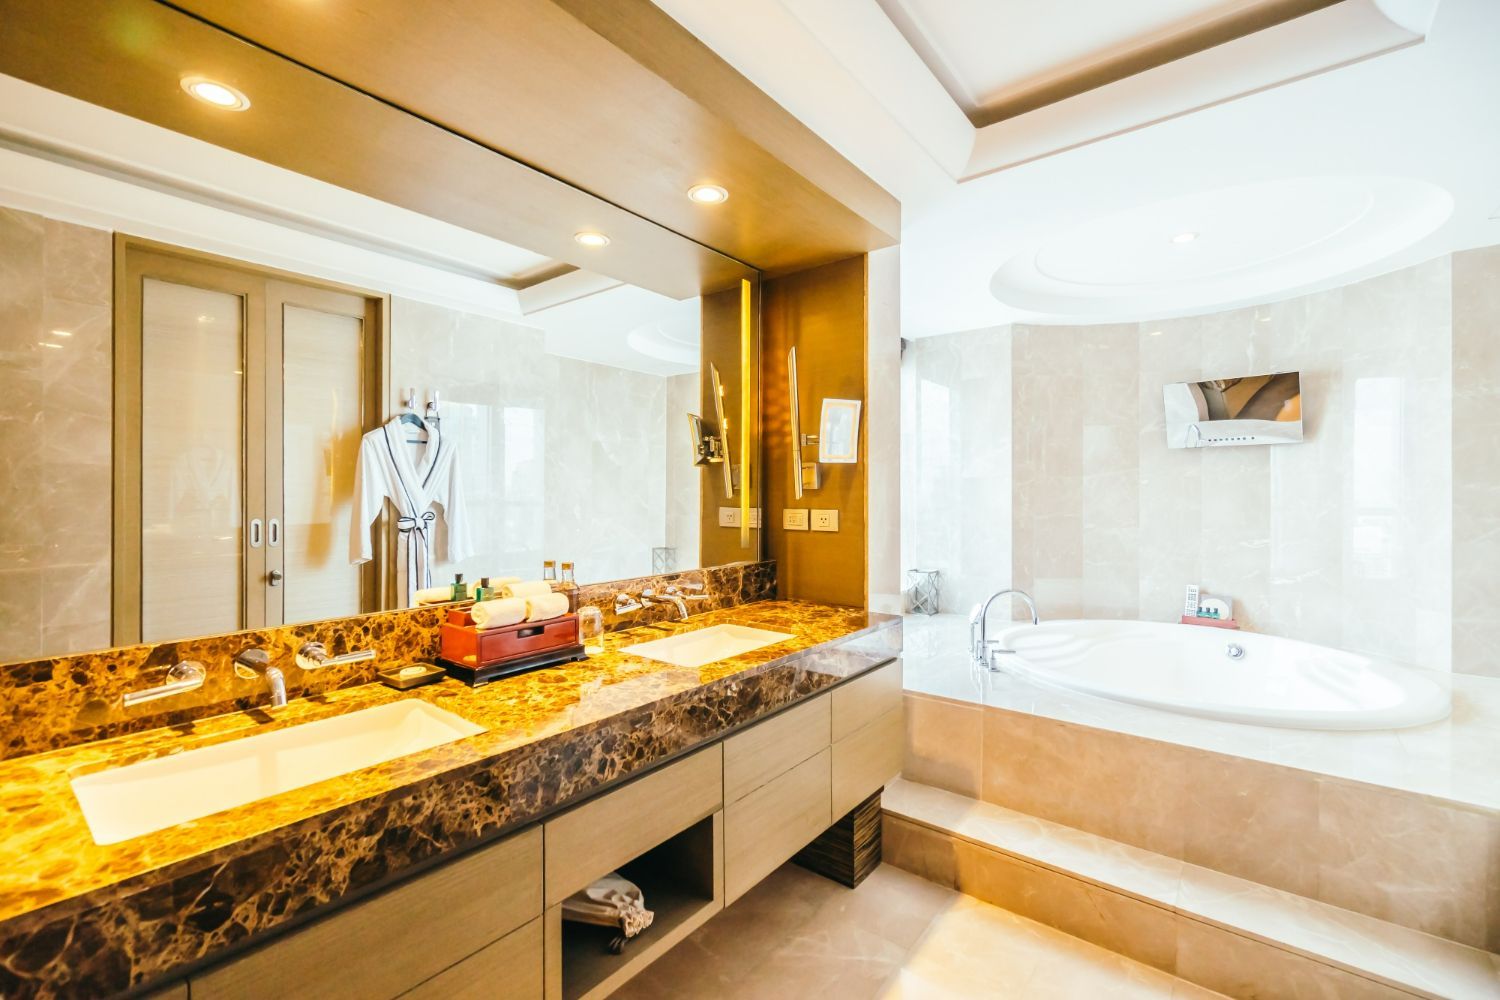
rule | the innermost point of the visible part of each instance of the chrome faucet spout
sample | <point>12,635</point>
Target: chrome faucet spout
<point>253,663</point>
<point>672,598</point>
<point>980,645</point>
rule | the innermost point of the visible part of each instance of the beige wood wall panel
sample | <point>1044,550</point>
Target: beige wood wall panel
<point>306,122</point>
<point>866,698</point>
<point>598,836</point>
<point>388,944</point>
<point>765,828</point>
<point>552,923</point>
<point>654,112</point>
<point>773,747</point>
<point>509,968</point>
<point>866,760</point>
<point>822,313</point>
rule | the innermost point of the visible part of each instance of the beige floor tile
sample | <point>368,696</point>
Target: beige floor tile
<point>797,935</point>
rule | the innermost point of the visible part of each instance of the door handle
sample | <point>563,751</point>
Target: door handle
<point>274,537</point>
<point>275,577</point>
<point>255,533</point>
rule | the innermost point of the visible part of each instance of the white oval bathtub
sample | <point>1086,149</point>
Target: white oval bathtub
<point>1186,668</point>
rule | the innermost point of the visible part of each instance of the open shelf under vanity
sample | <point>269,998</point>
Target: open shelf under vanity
<point>683,885</point>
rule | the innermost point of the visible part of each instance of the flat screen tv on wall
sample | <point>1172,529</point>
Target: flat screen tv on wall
<point>1254,409</point>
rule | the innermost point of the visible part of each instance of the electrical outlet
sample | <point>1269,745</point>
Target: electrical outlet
<point>825,520</point>
<point>729,517</point>
<point>794,519</point>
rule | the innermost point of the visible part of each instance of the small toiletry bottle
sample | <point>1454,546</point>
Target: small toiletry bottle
<point>549,570</point>
<point>460,589</point>
<point>484,591</point>
<point>567,574</point>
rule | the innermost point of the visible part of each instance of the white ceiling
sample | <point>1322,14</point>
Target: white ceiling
<point>1352,103</point>
<point>986,52</point>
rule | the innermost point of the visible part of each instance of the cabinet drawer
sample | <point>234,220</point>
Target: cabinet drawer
<point>866,760</point>
<point>865,699</point>
<point>774,822</point>
<point>597,837</point>
<point>383,946</point>
<point>773,747</point>
<point>510,968</point>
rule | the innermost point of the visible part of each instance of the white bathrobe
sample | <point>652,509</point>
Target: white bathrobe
<point>387,470</point>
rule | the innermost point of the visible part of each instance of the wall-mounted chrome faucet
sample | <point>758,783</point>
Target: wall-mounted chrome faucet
<point>625,604</point>
<point>182,678</point>
<point>981,648</point>
<point>670,597</point>
<point>253,663</point>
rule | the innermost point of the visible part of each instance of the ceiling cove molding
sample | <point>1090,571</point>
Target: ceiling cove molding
<point>1346,32</point>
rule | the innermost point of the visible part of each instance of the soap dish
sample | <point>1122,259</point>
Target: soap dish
<point>410,675</point>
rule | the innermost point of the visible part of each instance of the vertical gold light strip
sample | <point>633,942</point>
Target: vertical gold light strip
<point>747,354</point>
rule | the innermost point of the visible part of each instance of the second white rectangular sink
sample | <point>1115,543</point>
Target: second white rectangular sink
<point>705,645</point>
<point>137,799</point>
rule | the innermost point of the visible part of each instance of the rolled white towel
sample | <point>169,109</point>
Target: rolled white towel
<point>496,582</point>
<point>497,614</point>
<point>433,595</point>
<point>545,606</point>
<point>530,588</point>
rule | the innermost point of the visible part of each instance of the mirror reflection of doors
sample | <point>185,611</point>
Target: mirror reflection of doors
<point>240,400</point>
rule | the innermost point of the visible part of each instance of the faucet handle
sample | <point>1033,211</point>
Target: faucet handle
<point>624,604</point>
<point>251,663</point>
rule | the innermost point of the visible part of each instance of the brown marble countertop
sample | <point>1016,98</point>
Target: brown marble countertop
<point>80,918</point>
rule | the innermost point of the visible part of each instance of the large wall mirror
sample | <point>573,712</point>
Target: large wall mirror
<point>218,445</point>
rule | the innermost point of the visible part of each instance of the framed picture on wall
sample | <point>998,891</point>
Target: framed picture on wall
<point>838,432</point>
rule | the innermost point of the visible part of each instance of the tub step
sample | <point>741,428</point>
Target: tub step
<point>1225,933</point>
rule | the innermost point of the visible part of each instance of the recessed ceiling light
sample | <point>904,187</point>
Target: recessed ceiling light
<point>590,239</point>
<point>43,343</point>
<point>1154,333</point>
<point>708,194</point>
<point>62,333</point>
<point>220,95</point>
<point>1184,237</point>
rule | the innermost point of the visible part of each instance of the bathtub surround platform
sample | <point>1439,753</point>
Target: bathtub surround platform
<point>1451,761</point>
<point>1225,933</point>
<point>78,919</point>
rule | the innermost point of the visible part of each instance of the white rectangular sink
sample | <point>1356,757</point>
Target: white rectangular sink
<point>705,645</point>
<point>141,798</point>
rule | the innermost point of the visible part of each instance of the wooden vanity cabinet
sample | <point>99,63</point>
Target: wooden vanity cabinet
<point>390,945</point>
<point>695,834</point>
<point>868,735</point>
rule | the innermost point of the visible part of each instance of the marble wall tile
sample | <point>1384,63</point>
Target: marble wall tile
<point>1117,786</point>
<point>1348,539</point>
<point>944,744</point>
<point>56,374</point>
<point>1113,921</point>
<point>1413,861</point>
<point>1476,473</point>
<point>956,463</point>
<point>1253,820</point>
<point>1251,970</point>
<point>920,850</point>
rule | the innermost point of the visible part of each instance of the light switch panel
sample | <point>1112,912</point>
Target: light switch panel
<point>794,519</point>
<point>825,520</point>
<point>755,517</point>
<point>729,517</point>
